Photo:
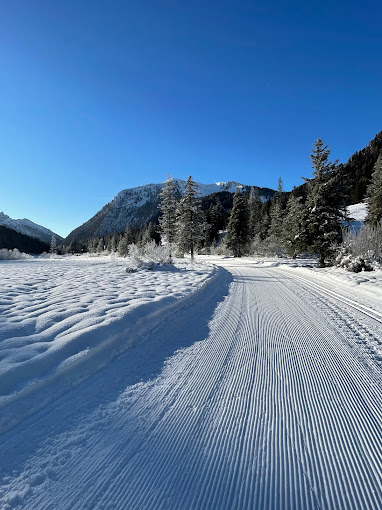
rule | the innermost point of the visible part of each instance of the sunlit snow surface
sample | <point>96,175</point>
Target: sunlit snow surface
<point>57,313</point>
<point>260,390</point>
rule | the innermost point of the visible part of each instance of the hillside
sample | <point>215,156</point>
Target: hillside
<point>28,228</point>
<point>11,239</point>
<point>138,206</point>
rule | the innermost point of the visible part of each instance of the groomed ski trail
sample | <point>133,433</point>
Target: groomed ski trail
<point>257,396</point>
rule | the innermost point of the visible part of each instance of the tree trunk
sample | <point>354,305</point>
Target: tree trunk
<point>321,262</point>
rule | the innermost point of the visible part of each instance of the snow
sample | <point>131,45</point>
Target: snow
<point>27,227</point>
<point>64,318</point>
<point>136,206</point>
<point>358,214</point>
<point>357,211</point>
<point>261,389</point>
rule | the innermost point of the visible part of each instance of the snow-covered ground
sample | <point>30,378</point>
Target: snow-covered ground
<point>61,319</point>
<point>263,390</point>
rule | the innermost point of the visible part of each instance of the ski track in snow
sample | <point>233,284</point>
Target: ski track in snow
<point>263,393</point>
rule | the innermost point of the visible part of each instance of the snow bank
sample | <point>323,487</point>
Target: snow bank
<point>62,319</point>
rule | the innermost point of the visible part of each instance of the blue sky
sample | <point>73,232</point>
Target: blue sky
<point>98,96</point>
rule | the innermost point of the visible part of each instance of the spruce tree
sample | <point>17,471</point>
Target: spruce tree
<point>374,194</point>
<point>53,245</point>
<point>325,203</point>
<point>276,213</point>
<point>125,241</point>
<point>167,221</point>
<point>237,230</point>
<point>215,220</point>
<point>254,206</point>
<point>294,227</point>
<point>189,220</point>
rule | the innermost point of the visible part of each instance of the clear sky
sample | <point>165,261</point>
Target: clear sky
<point>99,96</point>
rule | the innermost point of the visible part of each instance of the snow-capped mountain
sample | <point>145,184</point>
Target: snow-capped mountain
<point>27,227</point>
<point>137,206</point>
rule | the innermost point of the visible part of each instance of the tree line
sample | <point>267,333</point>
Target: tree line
<point>308,220</point>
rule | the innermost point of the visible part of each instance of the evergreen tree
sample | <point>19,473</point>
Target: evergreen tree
<point>374,194</point>
<point>254,206</point>
<point>325,203</point>
<point>189,220</point>
<point>215,220</point>
<point>113,243</point>
<point>53,245</point>
<point>294,227</point>
<point>148,234</point>
<point>167,221</point>
<point>237,230</point>
<point>276,213</point>
<point>100,245</point>
<point>125,241</point>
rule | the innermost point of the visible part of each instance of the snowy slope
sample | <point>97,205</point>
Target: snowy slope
<point>358,214</point>
<point>263,393</point>
<point>137,206</point>
<point>27,227</point>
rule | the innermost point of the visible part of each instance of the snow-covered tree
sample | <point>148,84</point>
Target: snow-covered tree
<point>125,241</point>
<point>276,213</point>
<point>189,220</point>
<point>113,243</point>
<point>167,221</point>
<point>100,245</point>
<point>237,230</point>
<point>374,194</point>
<point>294,227</point>
<point>53,245</point>
<point>325,203</point>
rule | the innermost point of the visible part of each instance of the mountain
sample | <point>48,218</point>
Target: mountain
<point>11,239</point>
<point>28,228</point>
<point>357,171</point>
<point>138,206</point>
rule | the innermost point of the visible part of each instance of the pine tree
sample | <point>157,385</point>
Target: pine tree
<point>294,227</point>
<point>254,206</point>
<point>53,245</point>
<point>237,230</point>
<point>101,245</point>
<point>215,220</point>
<point>276,213</point>
<point>325,203</point>
<point>167,222</point>
<point>189,220</point>
<point>125,241</point>
<point>113,243</point>
<point>374,194</point>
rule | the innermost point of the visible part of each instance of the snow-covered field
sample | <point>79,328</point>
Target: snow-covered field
<point>261,390</point>
<point>61,319</point>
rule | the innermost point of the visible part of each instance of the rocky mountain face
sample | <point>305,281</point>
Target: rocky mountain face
<point>28,228</point>
<point>138,206</point>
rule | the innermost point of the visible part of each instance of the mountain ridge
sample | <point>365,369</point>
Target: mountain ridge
<point>27,227</point>
<point>139,205</point>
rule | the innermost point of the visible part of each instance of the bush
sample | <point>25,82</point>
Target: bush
<point>360,250</point>
<point>14,254</point>
<point>148,256</point>
<point>353,263</point>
